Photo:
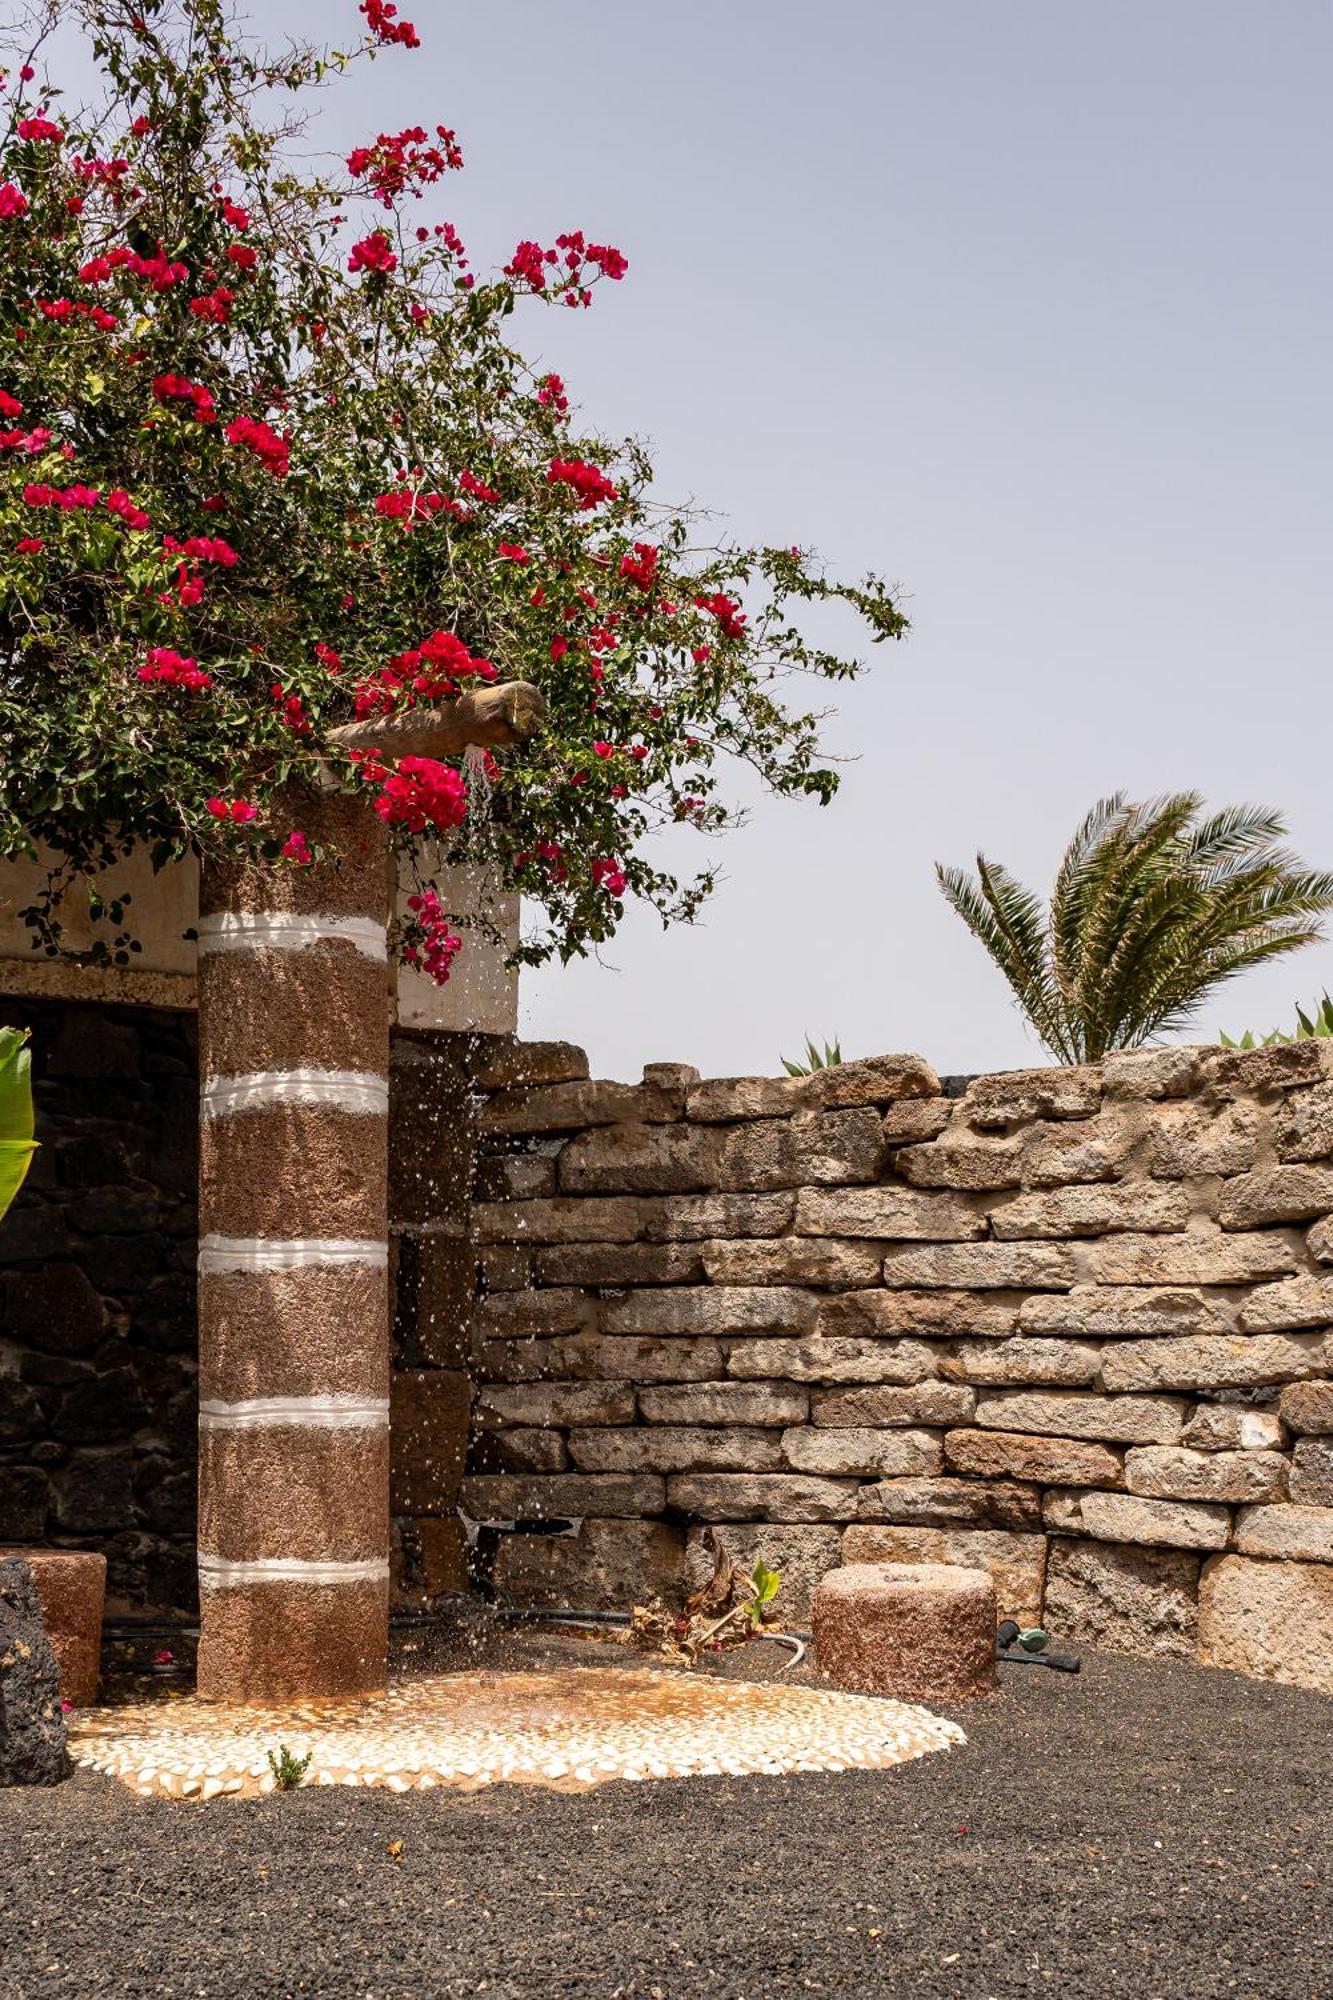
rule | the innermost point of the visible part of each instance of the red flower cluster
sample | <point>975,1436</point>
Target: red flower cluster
<point>431,671</point>
<point>160,272</point>
<point>552,394</point>
<point>120,503</point>
<point>242,256</point>
<point>214,306</point>
<point>641,567</point>
<point>567,265</point>
<point>725,610</point>
<point>373,253</point>
<point>476,487</point>
<point>30,441</point>
<point>238,811</point>
<point>272,451</point>
<point>107,173</point>
<point>40,129</point>
<point>297,848</point>
<point>440,944</point>
<point>178,388</point>
<point>382,20</point>
<point>64,309</point>
<point>398,160</point>
<point>609,875</point>
<point>13,202</point>
<point>234,217</point>
<point>200,548</point>
<point>292,709</point>
<point>512,552</point>
<point>588,481</point>
<point>422,793</point>
<point>165,665</point>
<point>10,406</point>
<point>68,497</point>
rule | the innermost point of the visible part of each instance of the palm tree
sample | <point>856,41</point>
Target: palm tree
<point>1152,908</point>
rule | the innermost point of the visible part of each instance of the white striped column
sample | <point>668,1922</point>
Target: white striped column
<point>293,1270</point>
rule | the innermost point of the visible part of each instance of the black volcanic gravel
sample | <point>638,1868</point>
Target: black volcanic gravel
<point>1142,1830</point>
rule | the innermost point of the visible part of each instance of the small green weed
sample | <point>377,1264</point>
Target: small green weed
<point>815,1058</point>
<point>288,1770</point>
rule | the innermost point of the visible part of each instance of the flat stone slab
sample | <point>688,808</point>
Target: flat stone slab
<point>570,1729</point>
<point>919,1630</point>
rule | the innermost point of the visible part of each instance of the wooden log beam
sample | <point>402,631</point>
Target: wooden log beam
<point>493,717</point>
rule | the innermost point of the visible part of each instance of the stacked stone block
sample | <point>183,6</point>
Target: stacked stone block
<point>1068,1325</point>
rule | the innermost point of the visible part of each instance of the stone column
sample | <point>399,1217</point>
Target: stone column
<point>293,1269</point>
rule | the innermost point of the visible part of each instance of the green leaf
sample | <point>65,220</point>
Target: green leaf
<point>765,1583</point>
<point>16,1118</point>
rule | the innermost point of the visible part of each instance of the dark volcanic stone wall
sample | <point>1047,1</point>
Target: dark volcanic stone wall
<point>98,1341</point>
<point>97,1298</point>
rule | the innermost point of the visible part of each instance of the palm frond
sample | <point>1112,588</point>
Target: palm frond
<point>1153,908</point>
<point>1011,923</point>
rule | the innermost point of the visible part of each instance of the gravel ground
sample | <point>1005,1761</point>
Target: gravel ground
<point>1143,1830</point>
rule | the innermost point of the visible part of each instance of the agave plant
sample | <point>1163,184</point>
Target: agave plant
<point>17,1145</point>
<point>816,1058</point>
<point>1318,1029</point>
<point>1153,907</point>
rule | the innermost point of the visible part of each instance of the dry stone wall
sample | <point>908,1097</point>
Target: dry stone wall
<point>1069,1325</point>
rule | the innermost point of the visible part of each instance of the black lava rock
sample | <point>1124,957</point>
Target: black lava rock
<point>32,1725</point>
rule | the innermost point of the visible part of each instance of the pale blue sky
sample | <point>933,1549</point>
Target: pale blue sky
<point>1025,303</point>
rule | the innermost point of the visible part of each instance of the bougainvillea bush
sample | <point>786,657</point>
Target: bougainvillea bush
<point>270,462</point>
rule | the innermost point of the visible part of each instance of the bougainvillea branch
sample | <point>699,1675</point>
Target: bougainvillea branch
<point>276,486</point>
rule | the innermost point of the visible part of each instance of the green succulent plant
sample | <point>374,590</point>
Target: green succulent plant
<point>1318,1029</point>
<point>816,1058</point>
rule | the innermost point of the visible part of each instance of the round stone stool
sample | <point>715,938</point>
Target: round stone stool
<point>921,1631</point>
<point>71,1589</point>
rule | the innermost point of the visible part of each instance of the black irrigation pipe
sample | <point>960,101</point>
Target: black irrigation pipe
<point>129,1628</point>
<point>1061,1663</point>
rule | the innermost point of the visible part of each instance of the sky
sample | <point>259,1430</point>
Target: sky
<point>1026,305</point>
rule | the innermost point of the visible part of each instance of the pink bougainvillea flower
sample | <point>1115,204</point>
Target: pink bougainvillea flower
<point>725,610</point>
<point>422,793</point>
<point>609,875</point>
<point>164,664</point>
<point>382,20</point>
<point>296,848</point>
<point>272,450</point>
<point>588,481</point>
<point>373,253</point>
<point>13,202</point>
<point>439,943</point>
<point>40,131</point>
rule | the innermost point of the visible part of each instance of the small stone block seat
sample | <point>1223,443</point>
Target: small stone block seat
<point>71,1589</point>
<point>920,1631</point>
